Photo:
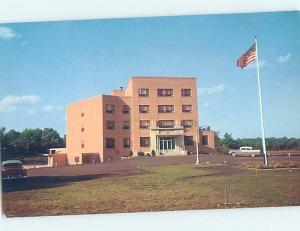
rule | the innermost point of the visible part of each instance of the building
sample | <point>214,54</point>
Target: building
<point>151,115</point>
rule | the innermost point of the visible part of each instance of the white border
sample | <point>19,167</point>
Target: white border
<point>49,10</point>
<point>285,218</point>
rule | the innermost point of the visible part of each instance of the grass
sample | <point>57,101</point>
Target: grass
<point>271,165</point>
<point>162,188</point>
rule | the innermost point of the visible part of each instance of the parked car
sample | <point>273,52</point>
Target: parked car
<point>244,151</point>
<point>12,169</point>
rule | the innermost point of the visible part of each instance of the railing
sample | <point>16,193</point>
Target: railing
<point>176,125</point>
<point>204,128</point>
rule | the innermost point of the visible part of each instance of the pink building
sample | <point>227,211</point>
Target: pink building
<point>151,115</point>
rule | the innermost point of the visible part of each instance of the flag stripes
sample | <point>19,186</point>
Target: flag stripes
<point>247,57</point>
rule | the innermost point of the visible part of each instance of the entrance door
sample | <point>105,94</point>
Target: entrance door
<point>167,144</point>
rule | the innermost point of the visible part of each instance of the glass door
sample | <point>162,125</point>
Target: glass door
<point>167,144</point>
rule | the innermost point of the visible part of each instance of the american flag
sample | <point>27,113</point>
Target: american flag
<point>247,57</point>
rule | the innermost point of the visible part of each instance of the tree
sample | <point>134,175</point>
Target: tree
<point>229,142</point>
<point>31,140</point>
<point>12,140</point>
<point>51,139</point>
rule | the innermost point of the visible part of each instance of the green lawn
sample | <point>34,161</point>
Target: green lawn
<point>177,187</point>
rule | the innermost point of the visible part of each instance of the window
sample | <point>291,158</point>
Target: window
<point>204,140</point>
<point>188,140</point>
<point>110,124</point>
<point>82,129</point>
<point>165,108</point>
<point>126,142</point>
<point>82,144</point>
<point>186,108</point>
<point>165,123</point>
<point>144,141</point>
<point>110,108</point>
<point>125,109</point>
<point>144,123</point>
<point>187,123</point>
<point>185,92</point>
<point>126,125</point>
<point>144,108</point>
<point>143,92</point>
<point>82,114</point>
<point>110,142</point>
<point>164,92</point>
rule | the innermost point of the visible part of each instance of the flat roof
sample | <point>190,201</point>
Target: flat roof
<point>164,77</point>
<point>134,77</point>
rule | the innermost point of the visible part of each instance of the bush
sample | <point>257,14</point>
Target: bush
<point>148,154</point>
<point>153,153</point>
<point>141,154</point>
<point>130,153</point>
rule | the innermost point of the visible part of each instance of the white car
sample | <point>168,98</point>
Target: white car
<point>244,151</point>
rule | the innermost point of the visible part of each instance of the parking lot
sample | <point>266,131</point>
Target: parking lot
<point>135,164</point>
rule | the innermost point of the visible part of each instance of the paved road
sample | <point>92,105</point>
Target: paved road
<point>136,164</point>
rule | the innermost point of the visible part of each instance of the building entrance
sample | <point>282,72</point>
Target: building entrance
<point>167,144</point>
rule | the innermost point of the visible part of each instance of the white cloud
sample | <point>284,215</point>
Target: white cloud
<point>220,88</point>
<point>283,58</point>
<point>11,102</point>
<point>7,33</point>
<point>51,108</point>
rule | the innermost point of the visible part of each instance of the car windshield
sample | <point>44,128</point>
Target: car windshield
<point>12,165</point>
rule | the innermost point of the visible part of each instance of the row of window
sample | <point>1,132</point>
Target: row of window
<point>164,92</point>
<point>110,124</point>
<point>144,142</point>
<point>165,108</point>
<point>110,108</point>
<point>145,124</point>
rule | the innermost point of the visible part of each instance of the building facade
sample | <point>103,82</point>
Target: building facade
<point>151,115</point>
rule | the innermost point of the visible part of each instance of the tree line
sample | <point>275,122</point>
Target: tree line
<point>29,142</point>
<point>272,143</point>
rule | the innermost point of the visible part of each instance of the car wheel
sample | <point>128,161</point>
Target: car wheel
<point>252,155</point>
<point>234,154</point>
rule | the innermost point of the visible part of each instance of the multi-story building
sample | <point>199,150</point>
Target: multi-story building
<point>152,114</point>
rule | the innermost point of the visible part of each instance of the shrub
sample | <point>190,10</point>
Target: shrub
<point>130,153</point>
<point>153,153</point>
<point>141,153</point>
<point>148,154</point>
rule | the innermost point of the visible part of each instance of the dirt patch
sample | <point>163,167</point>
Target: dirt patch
<point>43,182</point>
<point>218,170</point>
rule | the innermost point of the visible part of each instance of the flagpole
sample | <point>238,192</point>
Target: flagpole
<point>197,148</point>
<point>261,108</point>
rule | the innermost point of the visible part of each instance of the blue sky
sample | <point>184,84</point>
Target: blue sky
<point>44,66</point>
